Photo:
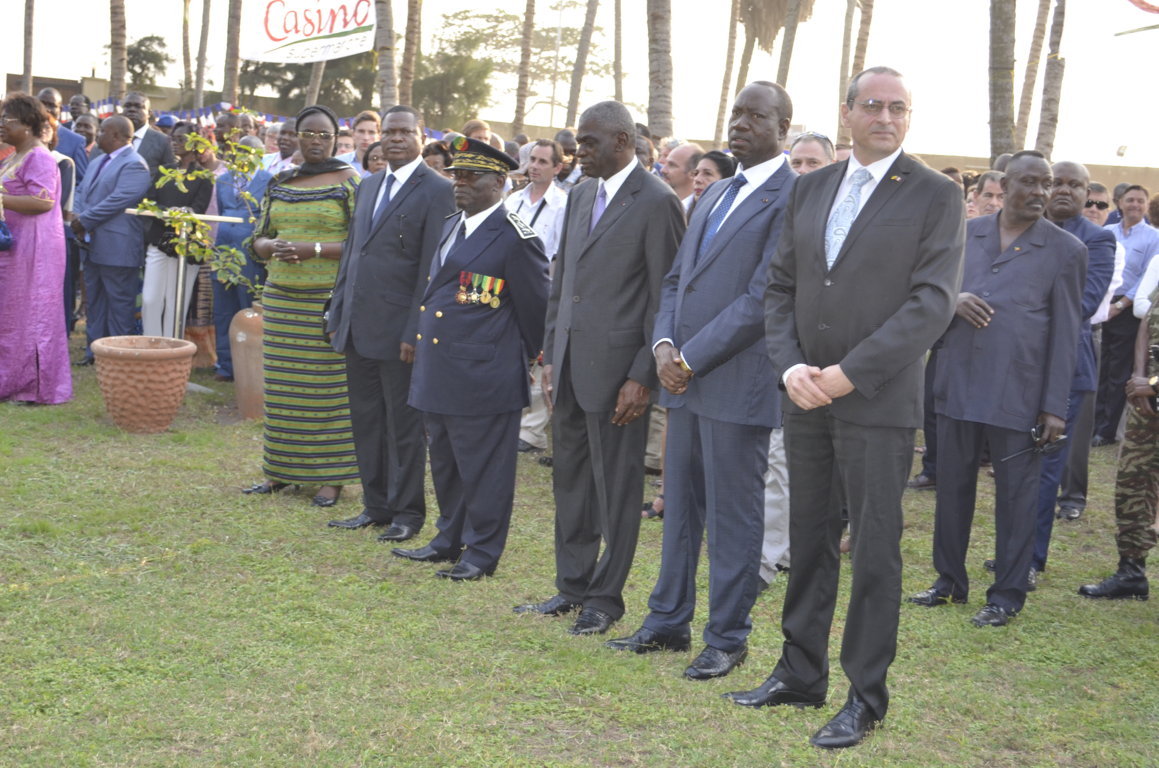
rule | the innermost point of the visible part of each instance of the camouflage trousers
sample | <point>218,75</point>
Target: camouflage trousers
<point>1137,486</point>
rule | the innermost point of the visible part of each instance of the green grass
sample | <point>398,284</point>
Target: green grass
<point>152,615</point>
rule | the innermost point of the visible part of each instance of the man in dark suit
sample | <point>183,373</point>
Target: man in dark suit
<point>398,218</point>
<point>68,141</point>
<point>621,232</point>
<point>149,143</point>
<point>480,327</point>
<point>113,241</point>
<point>1019,313</point>
<point>720,392</point>
<point>862,284</point>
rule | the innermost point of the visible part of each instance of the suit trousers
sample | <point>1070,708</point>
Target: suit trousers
<point>1016,489</point>
<point>930,419</point>
<point>112,301</point>
<point>775,547</point>
<point>389,443</point>
<point>598,479</point>
<point>715,479</point>
<point>1114,370</point>
<point>159,292</point>
<point>473,469</point>
<point>1073,493</point>
<point>873,464</point>
<point>1053,467</point>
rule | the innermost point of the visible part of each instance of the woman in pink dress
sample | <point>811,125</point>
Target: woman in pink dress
<point>33,341</point>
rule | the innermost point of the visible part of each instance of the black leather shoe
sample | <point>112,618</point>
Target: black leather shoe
<point>398,532</point>
<point>922,482</point>
<point>526,447</point>
<point>323,501</point>
<point>771,693</point>
<point>848,727</point>
<point>645,640</point>
<point>464,571</point>
<point>992,616</point>
<point>991,565</point>
<point>427,554</point>
<point>552,606</point>
<point>361,520</point>
<point>933,597</point>
<point>591,621</point>
<point>266,486</point>
<point>1069,513</point>
<point>1129,582</point>
<point>713,662</point>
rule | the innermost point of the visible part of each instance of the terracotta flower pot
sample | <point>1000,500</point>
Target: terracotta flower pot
<point>142,379</point>
<point>245,345</point>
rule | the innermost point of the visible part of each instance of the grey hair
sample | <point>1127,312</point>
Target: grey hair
<point>855,83</point>
<point>613,116</point>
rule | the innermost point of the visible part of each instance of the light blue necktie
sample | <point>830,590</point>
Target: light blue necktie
<point>843,215</point>
<point>599,206</point>
<point>718,215</point>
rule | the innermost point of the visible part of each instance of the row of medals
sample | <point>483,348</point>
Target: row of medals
<point>477,297</point>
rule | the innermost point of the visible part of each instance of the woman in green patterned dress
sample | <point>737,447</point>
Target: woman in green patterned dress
<point>304,219</point>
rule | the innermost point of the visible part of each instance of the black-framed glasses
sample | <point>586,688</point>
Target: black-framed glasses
<point>874,107</point>
<point>311,135</point>
<point>1102,205</point>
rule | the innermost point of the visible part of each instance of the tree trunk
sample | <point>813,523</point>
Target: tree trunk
<point>229,84</point>
<point>384,82</point>
<point>581,61</point>
<point>1029,80</point>
<point>1001,77</point>
<point>26,80</point>
<point>746,57</point>
<point>843,136</point>
<point>722,108</point>
<point>788,37</point>
<point>406,72</point>
<point>1051,84</point>
<point>317,70</point>
<point>660,67</point>
<point>843,75</point>
<point>618,54</point>
<point>202,44</point>
<point>186,54</point>
<point>524,87</point>
<point>118,53</point>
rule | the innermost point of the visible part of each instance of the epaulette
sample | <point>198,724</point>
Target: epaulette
<point>520,225</point>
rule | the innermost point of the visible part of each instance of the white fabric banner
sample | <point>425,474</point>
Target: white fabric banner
<point>298,31</point>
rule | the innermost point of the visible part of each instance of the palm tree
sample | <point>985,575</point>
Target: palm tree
<point>317,70</point>
<point>26,80</point>
<point>202,44</point>
<point>846,40</point>
<point>581,60</point>
<point>385,83</point>
<point>858,59</point>
<point>660,67</point>
<point>799,10</point>
<point>186,55</point>
<point>762,21</point>
<point>118,50</point>
<point>618,55</point>
<point>723,106</point>
<point>524,87</point>
<point>406,72</point>
<point>1001,77</point>
<point>1051,84</point>
<point>229,85</point>
<point>1028,80</point>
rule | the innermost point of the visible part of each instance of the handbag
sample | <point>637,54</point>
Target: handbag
<point>5,235</point>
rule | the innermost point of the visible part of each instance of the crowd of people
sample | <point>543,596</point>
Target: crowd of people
<point>769,327</point>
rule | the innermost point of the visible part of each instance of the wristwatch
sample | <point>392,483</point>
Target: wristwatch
<point>1119,305</point>
<point>318,253</point>
<point>1153,383</point>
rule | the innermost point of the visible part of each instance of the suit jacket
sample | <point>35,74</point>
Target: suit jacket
<point>154,148</point>
<point>472,359</point>
<point>72,144</point>
<point>605,291</point>
<point>1023,362</point>
<point>889,296</point>
<point>1100,245</point>
<point>115,238</point>
<point>385,263</point>
<point>712,308</point>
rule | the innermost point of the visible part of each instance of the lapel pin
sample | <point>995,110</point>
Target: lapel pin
<point>895,178</point>
<point>764,199</point>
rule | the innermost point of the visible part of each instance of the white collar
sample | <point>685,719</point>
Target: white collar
<point>761,172</point>
<point>403,174</point>
<point>876,169</point>
<point>140,132</point>
<point>612,185</point>
<point>471,223</point>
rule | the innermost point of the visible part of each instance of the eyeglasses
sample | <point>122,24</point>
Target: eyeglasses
<point>311,135</point>
<point>1102,205</point>
<point>461,174</point>
<point>874,107</point>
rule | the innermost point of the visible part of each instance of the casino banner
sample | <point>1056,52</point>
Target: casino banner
<point>299,31</point>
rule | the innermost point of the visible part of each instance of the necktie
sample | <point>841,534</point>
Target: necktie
<point>460,236</point>
<point>718,215</point>
<point>843,215</point>
<point>104,161</point>
<point>385,201</point>
<point>600,205</point>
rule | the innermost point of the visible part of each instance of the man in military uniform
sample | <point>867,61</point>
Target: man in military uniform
<point>480,325</point>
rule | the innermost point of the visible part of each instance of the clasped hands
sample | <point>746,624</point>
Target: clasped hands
<point>811,387</point>
<point>1139,394</point>
<point>674,377</point>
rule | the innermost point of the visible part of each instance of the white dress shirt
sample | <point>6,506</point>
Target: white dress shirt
<point>469,225</point>
<point>1147,285</point>
<point>1104,310</point>
<point>400,177</point>
<point>545,215</point>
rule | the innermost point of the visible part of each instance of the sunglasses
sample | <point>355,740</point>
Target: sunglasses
<point>311,135</point>
<point>1102,205</point>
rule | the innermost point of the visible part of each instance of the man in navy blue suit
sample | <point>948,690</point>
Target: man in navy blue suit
<point>480,326</point>
<point>68,142</point>
<point>721,393</point>
<point>113,241</point>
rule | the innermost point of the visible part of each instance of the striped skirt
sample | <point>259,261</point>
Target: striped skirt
<point>307,430</point>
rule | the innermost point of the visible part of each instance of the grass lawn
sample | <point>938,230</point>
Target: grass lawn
<point>152,615</point>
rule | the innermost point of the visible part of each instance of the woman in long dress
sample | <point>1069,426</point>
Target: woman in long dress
<point>304,219</point>
<point>34,364</point>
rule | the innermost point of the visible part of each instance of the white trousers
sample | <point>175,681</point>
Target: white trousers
<point>775,549</point>
<point>533,423</point>
<point>160,290</point>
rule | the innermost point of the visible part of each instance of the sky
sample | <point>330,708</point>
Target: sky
<point>1107,115</point>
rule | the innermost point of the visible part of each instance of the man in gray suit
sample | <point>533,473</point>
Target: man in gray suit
<point>374,315</point>
<point>1005,368</point>
<point>862,284</point>
<point>721,394</point>
<point>149,143</point>
<point>113,242</point>
<point>621,232</point>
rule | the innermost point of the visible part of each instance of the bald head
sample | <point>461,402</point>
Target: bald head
<point>115,132</point>
<point>1068,191</point>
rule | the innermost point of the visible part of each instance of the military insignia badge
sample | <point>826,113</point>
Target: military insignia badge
<point>520,225</point>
